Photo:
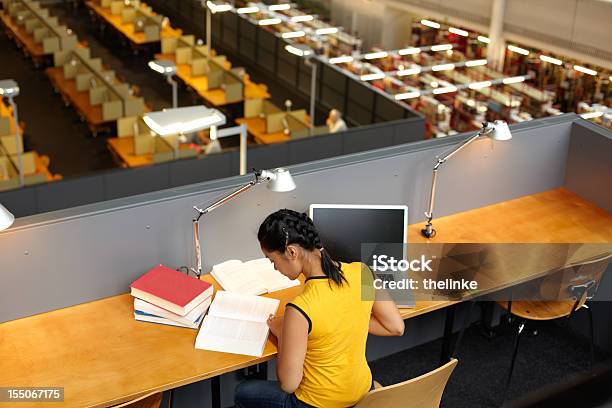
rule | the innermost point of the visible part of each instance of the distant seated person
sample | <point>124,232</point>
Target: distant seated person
<point>335,123</point>
<point>322,336</point>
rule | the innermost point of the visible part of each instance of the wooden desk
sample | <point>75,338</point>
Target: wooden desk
<point>555,216</point>
<point>102,356</point>
<point>122,149</point>
<point>41,162</point>
<point>79,99</point>
<point>127,29</point>
<point>215,97</point>
<point>18,33</point>
<point>257,128</point>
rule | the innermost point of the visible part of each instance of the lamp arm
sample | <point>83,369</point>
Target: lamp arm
<point>428,231</point>
<point>260,177</point>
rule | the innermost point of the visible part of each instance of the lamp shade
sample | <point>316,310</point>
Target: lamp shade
<point>163,67</point>
<point>301,50</point>
<point>183,120</point>
<point>8,88</point>
<point>6,218</point>
<point>281,180</point>
<point>501,131</point>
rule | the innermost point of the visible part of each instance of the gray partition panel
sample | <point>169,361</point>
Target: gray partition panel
<point>407,131</point>
<point>214,166</point>
<point>387,109</point>
<point>121,183</point>
<point>589,163</point>
<point>95,251</point>
<point>373,140</point>
<point>268,156</point>
<point>331,98</point>
<point>55,196</point>
<point>315,148</point>
<point>24,199</point>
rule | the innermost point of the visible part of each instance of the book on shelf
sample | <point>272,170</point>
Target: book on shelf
<point>171,290</point>
<point>254,277</point>
<point>192,319</point>
<point>237,323</point>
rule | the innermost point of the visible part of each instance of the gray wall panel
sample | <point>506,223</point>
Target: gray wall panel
<point>315,148</point>
<point>140,180</point>
<point>71,193</point>
<point>387,109</point>
<point>589,164</point>
<point>269,156</point>
<point>215,166</point>
<point>23,199</point>
<point>354,140</point>
<point>412,131</point>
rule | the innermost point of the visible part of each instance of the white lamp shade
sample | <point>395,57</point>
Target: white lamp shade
<point>281,181</point>
<point>501,131</point>
<point>6,218</point>
<point>183,120</point>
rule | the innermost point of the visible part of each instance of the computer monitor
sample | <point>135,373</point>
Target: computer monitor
<point>345,228</point>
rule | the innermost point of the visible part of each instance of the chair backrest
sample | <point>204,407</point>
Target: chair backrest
<point>424,391</point>
<point>580,280</point>
<point>152,400</point>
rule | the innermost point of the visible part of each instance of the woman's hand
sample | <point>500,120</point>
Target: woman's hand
<point>275,323</point>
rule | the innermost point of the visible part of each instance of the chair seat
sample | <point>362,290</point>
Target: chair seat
<point>541,310</point>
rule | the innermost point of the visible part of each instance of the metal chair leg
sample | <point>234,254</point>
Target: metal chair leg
<point>591,334</point>
<point>171,399</point>
<point>519,333</point>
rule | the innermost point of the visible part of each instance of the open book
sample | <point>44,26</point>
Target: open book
<point>254,277</point>
<point>236,324</point>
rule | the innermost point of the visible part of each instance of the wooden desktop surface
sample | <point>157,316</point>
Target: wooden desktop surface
<point>78,99</point>
<point>34,49</point>
<point>127,29</point>
<point>257,128</point>
<point>215,97</point>
<point>123,149</point>
<point>41,161</point>
<point>102,356</point>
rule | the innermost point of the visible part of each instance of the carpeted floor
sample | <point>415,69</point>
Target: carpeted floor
<point>552,355</point>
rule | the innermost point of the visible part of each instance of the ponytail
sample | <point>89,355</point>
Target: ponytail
<point>331,268</point>
<point>286,227</point>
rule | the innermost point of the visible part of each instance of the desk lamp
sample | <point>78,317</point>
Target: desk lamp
<point>6,218</point>
<point>168,68</point>
<point>9,89</point>
<point>497,130</point>
<point>278,180</point>
<point>181,121</point>
<point>304,51</point>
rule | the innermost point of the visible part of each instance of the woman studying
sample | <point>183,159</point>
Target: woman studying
<point>322,337</point>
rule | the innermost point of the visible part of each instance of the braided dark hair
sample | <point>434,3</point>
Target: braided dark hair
<point>285,227</point>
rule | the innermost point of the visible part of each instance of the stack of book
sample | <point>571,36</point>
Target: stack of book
<point>166,296</point>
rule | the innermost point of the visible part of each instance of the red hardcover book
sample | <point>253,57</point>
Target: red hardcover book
<point>171,290</point>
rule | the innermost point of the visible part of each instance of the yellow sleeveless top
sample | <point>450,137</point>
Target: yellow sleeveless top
<point>336,373</point>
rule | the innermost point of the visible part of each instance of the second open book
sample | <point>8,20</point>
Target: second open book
<point>237,324</point>
<point>254,277</point>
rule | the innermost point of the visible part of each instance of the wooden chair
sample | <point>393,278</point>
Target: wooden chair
<point>152,400</point>
<point>424,391</point>
<point>571,287</point>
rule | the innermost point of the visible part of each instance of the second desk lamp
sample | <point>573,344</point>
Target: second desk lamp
<point>278,180</point>
<point>497,130</point>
